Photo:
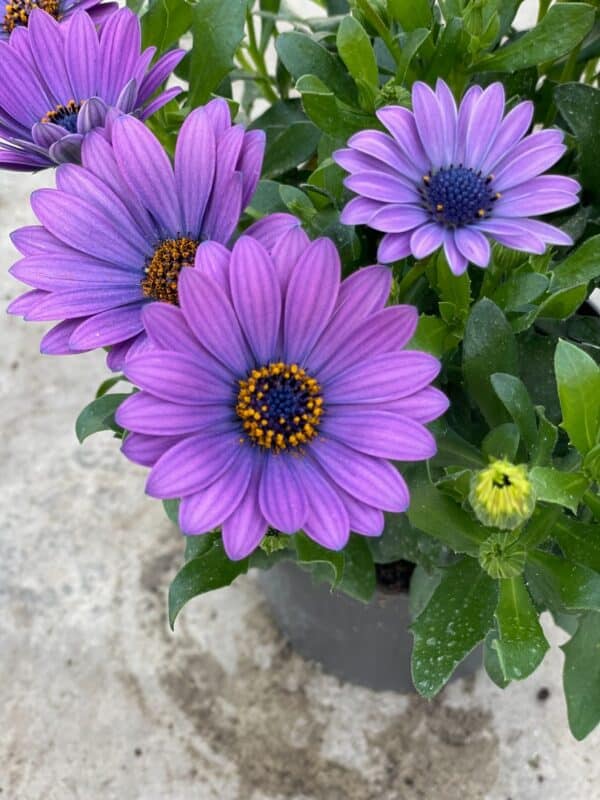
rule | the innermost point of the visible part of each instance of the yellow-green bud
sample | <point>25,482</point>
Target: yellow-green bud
<point>502,496</point>
<point>501,556</point>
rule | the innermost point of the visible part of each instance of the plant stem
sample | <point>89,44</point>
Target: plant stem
<point>260,67</point>
<point>592,501</point>
<point>540,527</point>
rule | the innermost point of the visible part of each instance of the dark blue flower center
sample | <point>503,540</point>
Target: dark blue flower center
<point>65,116</point>
<point>280,406</point>
<point>457,196</point>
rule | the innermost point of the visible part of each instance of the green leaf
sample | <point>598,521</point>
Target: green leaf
<point>449,50</point>
<point>546,441</point>
<point>302,55</point>
<point>562,488</point>
<point>564,585</point>
<point>489,347</point>
<point>578,380</point>
<point>400,541</point>
<point>580,267</point>
<point>410,44</point>
<point>165,22</point>
<point>502,442</point>
<point>458,616</point>
<point>209,570</point>
<point>108,384</point>
<point>521,644</point>
<point>324,564</point>
<point>99,415</point>
<point>519,290</point>
<point>561,304</point>
<point>411,14</point>
<point>354,47</point>
<point>330,115</point>
<point>515,398</point>
<point>491,662</point>
<point>591,463</point>
<point>581,676</point>
<point>432,336</point>
<point>171,508</point>
<point>439,516</point>
<point>218,28</point>
<point>453,450</point>
<point>579,541</point>
<point>358,578</point>
<point>291,138</point>
<point>560,31</point>
<point>579,106</point>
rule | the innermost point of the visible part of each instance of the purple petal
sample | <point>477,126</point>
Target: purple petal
<point>225,210</point>
<point>250,163</point>
<point>382,147</point>
<point>356,161</point>
<point>398,218</point>
<point>81,224</point>
<point>91,115</point>
<point>426,239</point>
<point>23,305</point>
<point>380,433</point>
<point>512,129</point>
<point>160,101</point>
<point>194,176</point>
<point>423,406</point>
<point>539,203</point>
<point>48,49</point>
<point>146,167</point>
<point>118,353</point>
<point>108,327</point>
<point>34,239</point>
<point>428,117</point>
<point>219,114</point>
<point>364,292</point>
<point>120,45</point>
<point>382,187</point>
<point>22,162</point>
<point>526,163</point>
<point>449,115</point>
<point>167,328</point>
<point>383,378</point>
<point>45,134</point>
<point>282,497</point>
<point>22,97</point>
<point>359,211</point>
<point>82,52</point>
<point>203,511</point>
<point>143,413</point>
<point>383,332</point>
<point>81,302</point>
<point>209,314</point>
<point>67,150</point>
<point>394,246</point>
<point>212,259</point>
<point>271,228</point>
<point>513,235</point>
<point>286,252</point>
<point>56,341</point>
<point>193,464</point>
<point>467,106</point>
<point>159,73</point>
<point>547,233</point>
<point>245,528</point>
<point>456,260</point>
<point>371,480</point>
<point>327,520</point>
<point>256,296</point>
<point>473,245</point>
<point>311,298</point>
<point>179,378</point>
<point>400,122</point>
<point>146,450</point>
<point>54,272</point>
<point>483,125</point>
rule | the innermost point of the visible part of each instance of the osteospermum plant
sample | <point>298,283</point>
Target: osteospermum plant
<point>356,329</point>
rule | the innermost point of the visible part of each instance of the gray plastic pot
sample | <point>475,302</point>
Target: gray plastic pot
<point>368,645</point>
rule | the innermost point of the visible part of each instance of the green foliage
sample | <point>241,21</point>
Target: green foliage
<point>579,106</point>
<point>99,415</point>
<point>581,676</point>
<point>457,617</point>
<point>521,644</point>
<point>578,380</point>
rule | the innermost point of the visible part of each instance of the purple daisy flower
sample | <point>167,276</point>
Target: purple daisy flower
<point>117,230</point>
<point>274,395</point>
<point>15,13</point>
<point>452,177</point>
<point>69,79</point>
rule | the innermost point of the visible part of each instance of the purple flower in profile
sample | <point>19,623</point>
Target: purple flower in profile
<point>452,177</point>
<point>274,395</point>
<point>117,230</point>
<point>15,13</point>
<point>73,79</point>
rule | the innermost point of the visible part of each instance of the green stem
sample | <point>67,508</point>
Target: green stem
<point>592,501</point>
<point>544,5</point>
<point>262,74</point>
<point>411,277</point>
<point>373,17</point>
<point>540,527</point>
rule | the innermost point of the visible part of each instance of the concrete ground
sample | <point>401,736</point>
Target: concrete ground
<point>99,700</point>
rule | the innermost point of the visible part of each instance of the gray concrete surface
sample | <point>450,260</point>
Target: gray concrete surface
<point>99,700</point>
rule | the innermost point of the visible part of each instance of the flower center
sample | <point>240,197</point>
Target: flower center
<point>17,12</point>
<point>162,270</point>
<point>457,196</point>
<point>280,406</point>
<point>66,116</point>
